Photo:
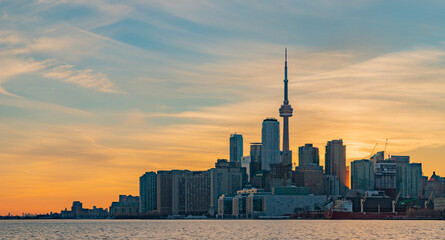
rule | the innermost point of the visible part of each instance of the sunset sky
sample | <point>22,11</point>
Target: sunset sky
<point>94,93</point>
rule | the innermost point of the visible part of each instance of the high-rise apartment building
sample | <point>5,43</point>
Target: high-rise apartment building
<point>148,192</point>
<point>190,192</point>
<point>362,175</point>
<point>225,178</point>
<point>185,192</point>
<point>270,149</point>
<point>164,192</point>
<point>236,147</point>
<point>308,156</point>
<point>335,162</point>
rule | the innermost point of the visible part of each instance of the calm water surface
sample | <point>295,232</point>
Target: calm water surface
<point>221,229</point>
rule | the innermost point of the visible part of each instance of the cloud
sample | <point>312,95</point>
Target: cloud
<point>10,67</point>
<point>9,37</point>
<point>84,78</point>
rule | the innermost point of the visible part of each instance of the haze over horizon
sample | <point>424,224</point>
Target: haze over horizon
<point>95,93</point>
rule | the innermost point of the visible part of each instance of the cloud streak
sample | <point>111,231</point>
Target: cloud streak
<point>84,78</point>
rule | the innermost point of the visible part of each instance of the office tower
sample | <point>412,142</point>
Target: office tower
<point>255,158</point>
<point>385,177</point>
<point>362,175</point>
<point>311,177</point>
<point>236,147</point>
<point>348,177</point>
<point>335,162</point>
<point>286,112</point>
<point>409,176</point>
<point>148,187</point>
<point>225,178</point>
<point>308,156</point>
<point>270,149</point>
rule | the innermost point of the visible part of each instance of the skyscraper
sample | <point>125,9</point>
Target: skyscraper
<point>225,178</point>
<point>310,176</point>
<point>362,174</point>
<point>409,176</point>
<point>286,112</point>
<point>335,162</point>
<point>164,192</point>
<point>236,147</point>
<point>255,158</point>
<point>148,192</point>
<point>183,192</point>
<point>308,155</point>
<point>270,150</point>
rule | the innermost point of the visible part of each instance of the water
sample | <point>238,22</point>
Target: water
<point>221,229</point>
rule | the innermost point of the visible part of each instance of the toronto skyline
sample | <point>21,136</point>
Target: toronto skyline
<point>95,93</point>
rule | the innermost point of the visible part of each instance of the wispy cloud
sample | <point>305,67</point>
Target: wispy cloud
<point>85,78</point>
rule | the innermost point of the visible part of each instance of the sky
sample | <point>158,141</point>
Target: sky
<point>95,93</point>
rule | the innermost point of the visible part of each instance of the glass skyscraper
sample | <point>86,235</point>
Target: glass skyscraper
<point>270,150</point>
<point>236,147</point>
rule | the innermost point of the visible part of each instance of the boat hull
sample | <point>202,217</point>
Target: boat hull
<point>366,215</point>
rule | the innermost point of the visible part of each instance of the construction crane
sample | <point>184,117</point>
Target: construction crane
<point>373,150</point>
<point>394,202</point>
<point>386,144</point>
<point>363,200</point>
<point>429,200</point>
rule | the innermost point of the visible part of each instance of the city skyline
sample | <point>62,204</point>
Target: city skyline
<point>88,108</point>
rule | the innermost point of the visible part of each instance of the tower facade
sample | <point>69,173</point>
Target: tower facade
<point>362,175</point>
<point>270,149</point>
<point>335,162</point>
<point>148,192</point>
<point>255,158</point>
<point>236,147</point>
<point>286,112</point>
<point>308,155</point>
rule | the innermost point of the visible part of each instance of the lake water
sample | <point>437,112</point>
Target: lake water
<point>221,229</point>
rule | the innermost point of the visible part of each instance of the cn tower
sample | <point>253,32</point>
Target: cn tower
<point>286,112</point>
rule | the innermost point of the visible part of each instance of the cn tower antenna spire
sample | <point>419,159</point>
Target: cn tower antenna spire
<point>285,55</point>
<point>286,112</point>
<point>286,100</point>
